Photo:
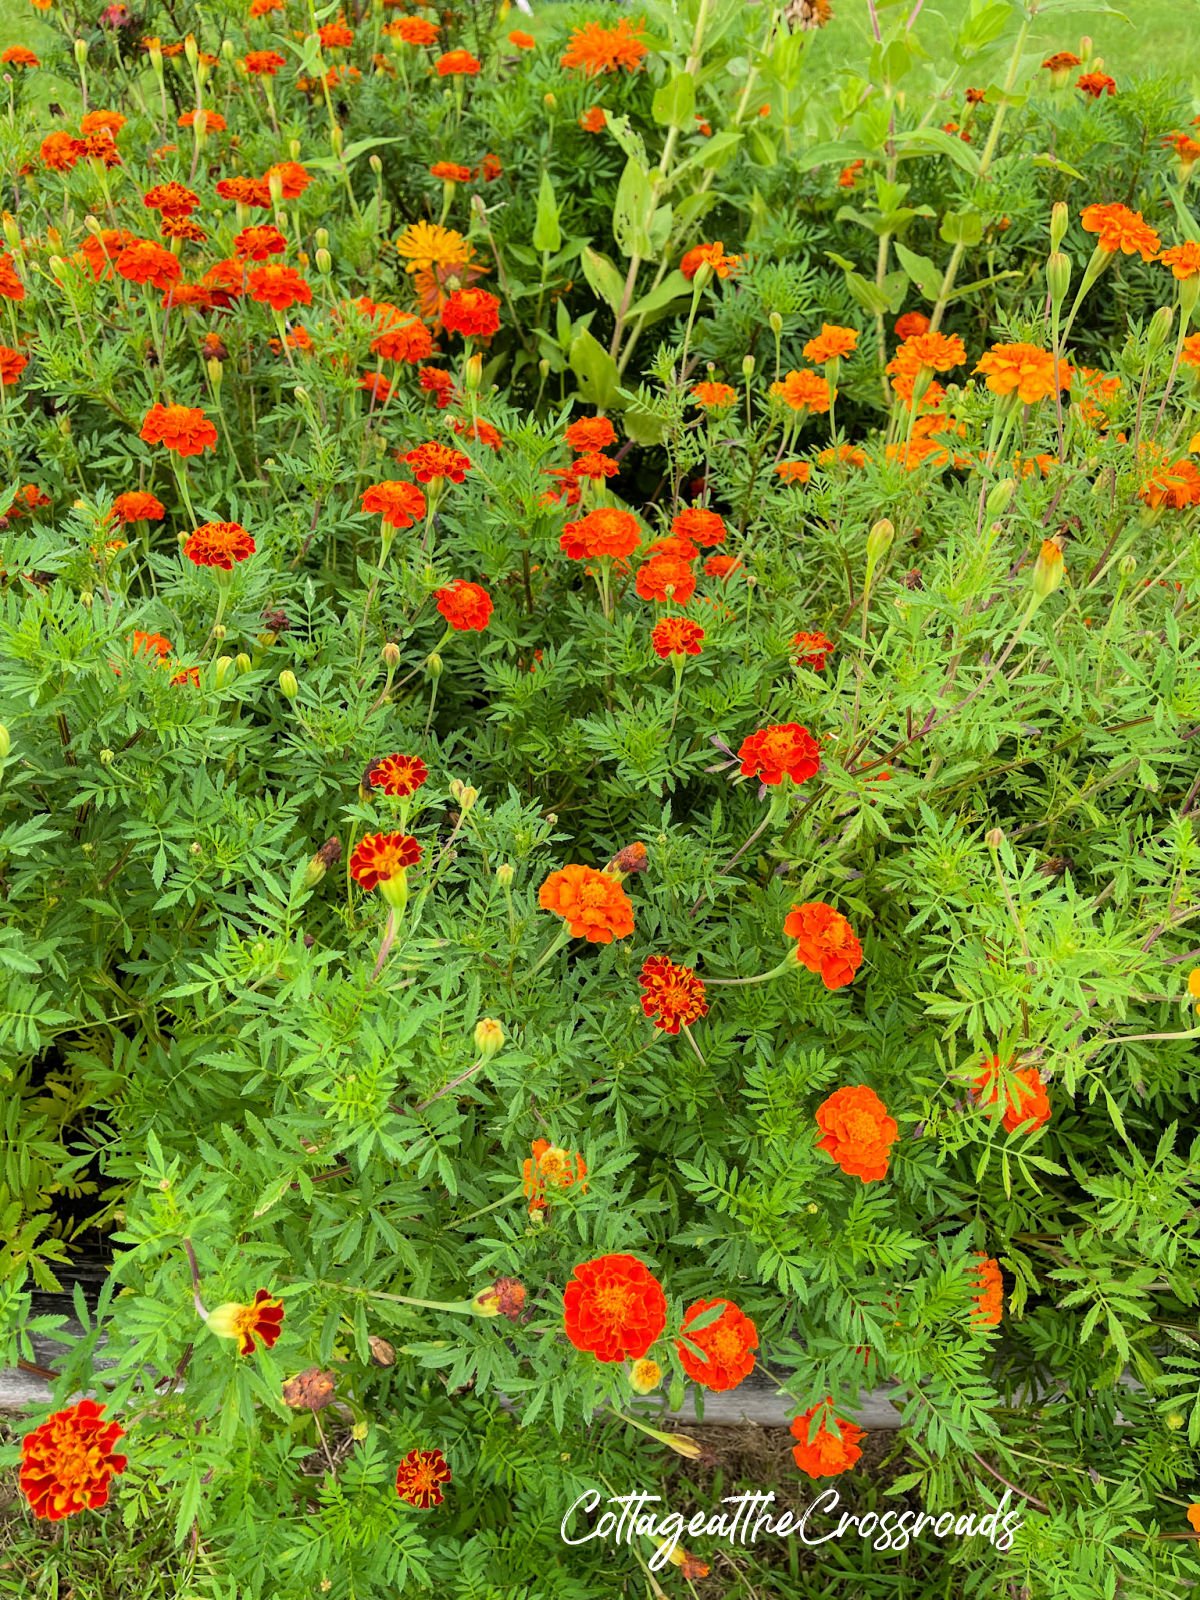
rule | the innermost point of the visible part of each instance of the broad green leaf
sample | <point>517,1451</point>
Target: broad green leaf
<point>595,370</point>
<point>547,235</point>
<point>674,104</point>
<point>602,276</point>
<point>921,271</point>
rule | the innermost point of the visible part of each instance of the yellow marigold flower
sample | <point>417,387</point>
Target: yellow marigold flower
<point>425,245</point>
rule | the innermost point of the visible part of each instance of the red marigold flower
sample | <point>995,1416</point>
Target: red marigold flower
<point>336,36</point>
<point>171,199</point>
<point>593,904</point>
<point>434,460</point>
<point>466,606</point>
<point>491,168</point>
<point>709,255</point>
<point>594,49</point>
<point>419,1478</point>
<point>450,172</point>
<point>12,365</point>
<point>722,566</point>
<point>848,176</point>
<point>278,287</point>
<point>1119,229</point>
<point>674,996</point>
<point>257,244</point>
<point>437,382</point>
<point>398,503</point>
<point>100,250</point>
<point>1096,84</point>
<point>607,531</point>
<point>381,857</point>
<point>137,506</point>
<point>911,323</point>
<point>473,313</point>
<point>551,1167</point>
<point>261,1321</point>
<point>804,391</point>
<point>412,30</point>
<point>102,147</point>
<point>479,431</point>
<point>376,385</point>
<point>68,1463</point>
<point>263,63</point>
<point>700,526</point>
<point>784,750</point>
<point>219,544</point>
<point>594,120</point>
<point>713,396</point>
<point>246,191</point>
<point>17,56</point>
<point>857,1131</point>
<point>614,1307</point>
<point>457,64</point>
<point>1061,61</point>
<point>143,261</point>
<point>728,1344</point>
<point>831,343</point>
<point>595,466</point>
<point>676,636</point>
<point>825,1451</point>
<point>397,775</point>
<point>989,1293</point>
<point>293,179</point>
<point>825,942</point>
<point>666,579</point>
<point>587,434</point>
<point>1027,1105</point>
<point>812,650</point>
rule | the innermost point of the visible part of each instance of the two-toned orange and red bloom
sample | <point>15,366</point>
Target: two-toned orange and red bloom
<point>381,861</point>
<point>68,1462</point>
<point>398,504</point>
<point>673,997</point>
<point>784,750</point>
<point>857,1131</point>
<point>728,1344</point>
<point>812,650</point>
<point>676,637</point>
<point>466,606</point>
<point>614,1308</point>
<point>434,460</point>
<point>665,578</point>
<point>219,544</point>
<point>827,1445</point>
<point>709,255</point>
<point>398,776</point>
<point>825,942</point>
<point>419,1478</point>
<point>606,532</point>
<point>1026,1103</point>
<point>593,904</point>
<point>549,1166</point>
<point>183,429</point>
<point>260,1322</point>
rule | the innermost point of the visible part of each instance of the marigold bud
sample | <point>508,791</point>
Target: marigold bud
<point>375,164</point>
<point>1160,327</point>
<point>216,373</point>
<point>221,670</point>
<point>289,688</point>
<point>275,186</point>
<point>1000,496</point>
<point>243,662</point>
<point>327,856</point>
<point>294,149</point>
<point>472,373</point>
<point>879,540</point>
<point>1127,565</point>
<point>1060,221</point>
<point>390,655</point>
<point>550,101</point>
<point>107,757</point>
<point>191,49</point>
<point>505,874</point>
<point>1058,276</point>
<point>994,838</point>
<point>337,139</point>
<point>321,238</point>
<point>434,665</point>
<point>81,53</point>
<point>324,262</point>
<point>1175,1420</point>
<point>702,278</point>
<point>645,1376</point>
<point>489,1037</point>
<point>12,231</point>
<point>1048,570</point>
<point>747,367</point>
<point>775,323</point>
<point>5,741</point>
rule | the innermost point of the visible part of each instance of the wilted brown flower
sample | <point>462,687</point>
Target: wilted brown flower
<point>311,1390</point>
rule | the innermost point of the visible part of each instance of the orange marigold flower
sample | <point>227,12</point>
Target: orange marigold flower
<point>450,172</point>
<point>614,1308</point>
<point>17,56</point>
<point>68,1463</point>
<point>594,120</point>
<point>728,1344</point>
<point>246,191</point>
<point>701,526</point>
<point>436,382</point>
<point>457,64</point>
<point>936,351</point>
<point>1193,1516</point>
<point>1172,484</point>
<point>606,531</point>
<point>413,30</point>
<point>674,996</point>
<point>210,121</point>
<point>398,776</point>
<point>419,1478</point>
<point>466,606</point>
<point>831,343</point>
<point>474,313</point>
<point>263,63</point>
<point>713,396</point>
<point>593,904</point>
<point>1027,1105</point>
<point>143,261</point>
<point>825,942</point>
<point>857,1131</point>
<point>480,432</point>
<point>595,49</point>
<point>1096,84</point>
<point>911,323</point>
<point>137,506</point>
<point>381,858</point>
<point>804,391</point>
<point>550,1167</point>
<point>521,40</point>
<point>257,244</point>
<point>848,176</point>
<point>827,1450</point>
<point>1183,259</point>
<point>102,121</point>
<point>784,750</point>
<point>184,429</point>
<point>437,461</point>
<point>60,151</point>
<point>595,466</point>
<point>676,636</point>
<point>989,1293</point>
<point>277,286</point>
<point>292,177</point>
<point>399,504</point>
<point>812,650</point>
<point>709,255</point>
<point>1119,229</point>
<point>336,36</point>
<point>219,544</point>
<point>666,579</point>
<point>1189,356</point>
<point>12,365</point>
<point>100,250</point>
<point>794,471</point>
<point>261,1321</point>
<point>1023,370</point>
<point>171,199</point>
<point>404,337</point>
<point>490,168</point>
<point>151,644</point>
<point>1061,61</point>
<point>588,434</point>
